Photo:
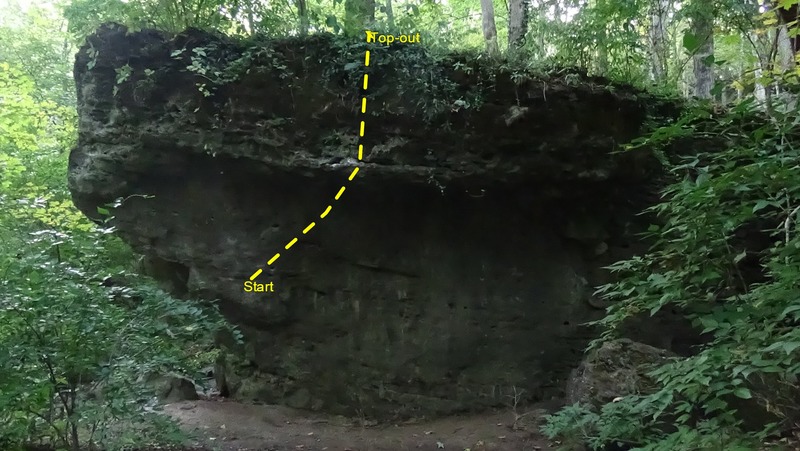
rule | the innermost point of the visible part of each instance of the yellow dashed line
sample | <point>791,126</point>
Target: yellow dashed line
<point>350,178</point>
<point>325,213</point>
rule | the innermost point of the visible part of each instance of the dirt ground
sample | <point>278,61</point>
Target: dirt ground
<point>231,426</point>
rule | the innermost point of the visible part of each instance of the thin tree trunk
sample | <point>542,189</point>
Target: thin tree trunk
<point>703,30</point>
<point>764,54</point>
<point>302,15</point>
<point>601,60</point>
<point>659,47</point>
<point>390,14</point>
<point>251,21</point>
<point>489,28</point>
<point>785,50</point>
<point>789,15</point>
<point>517,23</point>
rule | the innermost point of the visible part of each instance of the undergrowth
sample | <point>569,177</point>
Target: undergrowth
<point>727,252</point>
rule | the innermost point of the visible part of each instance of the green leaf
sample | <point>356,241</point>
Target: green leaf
<point>103,211</point>
<point>331,21</point>
<point>743,393</point>
<point>760,205</point>
<point>690,42</point>
<point>789,309</point>
<point>790,346</point>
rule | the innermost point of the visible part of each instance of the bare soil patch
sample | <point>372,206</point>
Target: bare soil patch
<point>232,426</point>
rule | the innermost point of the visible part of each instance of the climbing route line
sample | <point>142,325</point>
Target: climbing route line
<point>329,207</point>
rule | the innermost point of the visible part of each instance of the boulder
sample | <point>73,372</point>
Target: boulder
<point>456,267</point>
<point>171,387</point>
<point>615,369</point>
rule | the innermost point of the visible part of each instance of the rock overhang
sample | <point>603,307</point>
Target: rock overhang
<point>476,216</point>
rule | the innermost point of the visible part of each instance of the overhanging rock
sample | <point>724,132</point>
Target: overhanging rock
<point>456,268</point>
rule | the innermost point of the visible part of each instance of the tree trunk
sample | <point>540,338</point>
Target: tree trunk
<point>785,49</point>
<point>789,15</point>
<point>659,46</point>
<point>703,30</point>
<point>302,15</point>
<point>251,22</point>
<point>390,14</point>
<point>489,28</point>
<point>764,54</point>
<point>601,57</point>
<point>517,23</point>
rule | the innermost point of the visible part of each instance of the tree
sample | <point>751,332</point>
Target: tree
<point>489,28</point>
<point>302,15</point>
<point>390,14</point>
<point>702,22</point>
<point>517,22</point>
<point>659,39</point>
<point>788,11</point>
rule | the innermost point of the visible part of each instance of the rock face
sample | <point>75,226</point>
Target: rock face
<point>457,265</point>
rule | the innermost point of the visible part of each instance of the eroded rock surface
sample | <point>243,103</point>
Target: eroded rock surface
<point>616,369</point>
<point>456,267</point>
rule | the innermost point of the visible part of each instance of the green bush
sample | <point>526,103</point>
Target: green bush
<point>727,252</point>
<point>74,351</point>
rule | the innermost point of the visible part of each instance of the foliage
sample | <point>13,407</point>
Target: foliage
<point>32,41</point>
<point>726,252</point>
<point>77,330</point>
<point>61,330</point>
<point>77,352</point>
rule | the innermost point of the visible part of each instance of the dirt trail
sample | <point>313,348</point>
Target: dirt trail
<point>232,426</point>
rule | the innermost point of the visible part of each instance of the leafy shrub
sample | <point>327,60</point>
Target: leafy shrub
<point>727,252</point>
<point>74,352</point>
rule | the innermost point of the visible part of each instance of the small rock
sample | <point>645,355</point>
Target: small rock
<point>171,387</point>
